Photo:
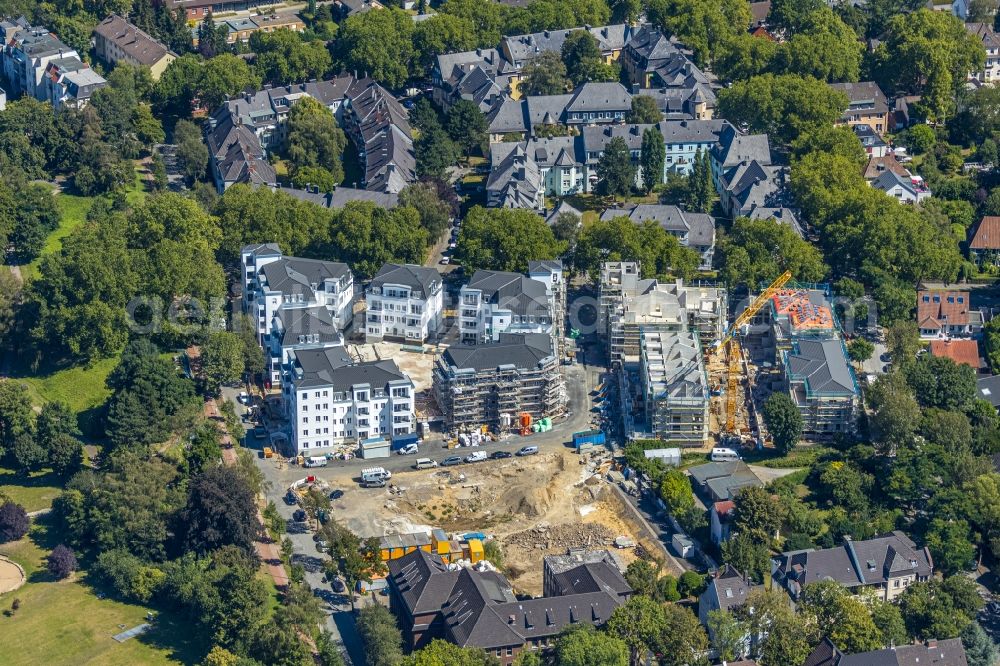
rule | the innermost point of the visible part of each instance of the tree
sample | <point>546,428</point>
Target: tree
<point>466,125</point>
<point>652,157</point>
<point>212,38</point>
<point>583,59</point>
<point>639,622</point>
<point>756,252</point>
<point>434,213</point>
<point>615,171</point>
<point>675,489</point>
<point>220,511</point>
<point>484,15</point>
<point>620,239</point>
<point>625,11</point>
<point>783,420</point>
<point>443,653</point>
<point>282,57</point>
<point>683,639</point>
<point>503,239</point>
<point>980,650</point>
<point>920,139</point>
<point>61,562</point>
<point>728,634</point>
<point>366,237</point>
<point>860,350</point>
<point>938,381</point>
<point>381,637</point>
<point>17,420</point>
<point>544,75</point>
<point>379,44</point>
<point>783,107</point>
<point>747,555</point>
<point>851,627</point>
<point>223,359</point>
<point>758,514</point>
<point>950,543</point>
<point>700,190</point>
<point>436,152</point>
<point>701,25</point>
<point>644,111</point>
<point>192,153</point>
<point>897,414</point>
<point>441,34</point>
<point>220,656</point>
<point>824,47</point>
<point>940,609</point>
<point>57,434</point>
<point>14,522</point>
<point>315,139</point>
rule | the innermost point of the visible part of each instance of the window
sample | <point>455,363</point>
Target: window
<point>510,651</point>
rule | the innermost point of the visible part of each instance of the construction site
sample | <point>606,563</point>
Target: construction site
<point>531,507</point>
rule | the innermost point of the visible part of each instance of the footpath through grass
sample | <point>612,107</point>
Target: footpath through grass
<point>66,623</point>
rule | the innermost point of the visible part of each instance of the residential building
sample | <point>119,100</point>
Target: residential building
<point>780,215</point>
<point>823,386</point>
<point>693,230</point>
<point>116,40</point>
<point>721,481</point>
<point>735,148</point>
<point>866,105</point>
<point>948,314</point>
<point>495,302</point>
<point>478,609</point>
<point>743,175</point>
<point>598,102</point>
<point>878,165</point>
<point>870,140</point>
<point>796,313</point>
<point>984,243</point>
<point>959,8</point>
<point>990,73</point>
<point>561,171</point>
<point>286,21</point>
<point>198,10</point>
<point>3,99</point>
<point>493,383</point>
<point>675,388</point>
<point>727,590</point>
<point>482,76</point>
<point>294,329</point>
<point>684,139</point>
<point>720,520</point>
<point>346,8</point>
<point>949,652</point>
<point>659,67</point>
<point>581,571</point>
<point>68,82</point>
<point>26,54</point>
<point>910,190</point>
<point>272,281</point>
<point>405,302</point>
<point>647,51</point>
<point>519,50</point>
<point>246,128</point>
<point>885,565</point>
<point>962,352</point>
<point>341,196</point>
<point>330,399</point>
<point>516,182</point>
<point>988,389</point>
<point>550,273</point>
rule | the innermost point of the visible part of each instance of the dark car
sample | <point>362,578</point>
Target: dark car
<point>336,494</point>
<point>497,455</point>
<point>291,497</point>
<point>338,586</point>
<point>299,516</point>
<point>451,460</point>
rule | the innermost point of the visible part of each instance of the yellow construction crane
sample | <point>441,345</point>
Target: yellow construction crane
<point>734,352</point>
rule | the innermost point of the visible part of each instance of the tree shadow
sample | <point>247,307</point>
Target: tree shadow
<point>31,480</point>
<point>172,632</point>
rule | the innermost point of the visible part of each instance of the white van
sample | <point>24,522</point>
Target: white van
<point>724,455</point>
<point>316,461</point>
<point>375,473</point>
<point>476,456</point>
<point>425,463</point>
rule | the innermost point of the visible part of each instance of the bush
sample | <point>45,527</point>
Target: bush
<point>61,562</point>
<point>691,584</point>
<point>128,576</point>
<point>14,522</point>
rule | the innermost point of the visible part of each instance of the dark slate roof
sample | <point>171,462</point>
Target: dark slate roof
<point>591,577</point>
<point>651,44</point>
<point>691,131</point>
<point>546,265</point>
<point>520,350</point>
<point>422,581</point>
<point>520,294</point>
<point>730,587</point>
<point>562,208</point>
<point>600,96</point>
<point>526,47</point>
<point>949,652</point>
<point>988,388</point>
<point>779,215</point>
<point>516,179</point>
<point>510,116</point>
<point>262,249</point>
<point>734,147</point>
<point>597,137</point>
<point>341,196</point>
<point>699,227</point>
<point>335,368</point>
<point>293,275</point>
<point>546,109</point>
<point>417,278</point>
<point>299,325</point>
<point>724,480</point>
<point>865,95</point>
<point>821,364</point>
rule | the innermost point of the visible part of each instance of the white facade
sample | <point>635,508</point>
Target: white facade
<point>332,403</point>
<point>27,55</point>
<point>404,302</point>
<point>496,302</point>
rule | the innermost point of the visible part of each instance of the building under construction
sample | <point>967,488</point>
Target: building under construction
<point>494,384</point>
<point>674,389</point>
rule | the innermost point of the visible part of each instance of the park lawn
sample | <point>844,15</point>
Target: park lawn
<point>800,456</point>
<point>80,387</point>
<point>34,491</point>
<point>64,622</point>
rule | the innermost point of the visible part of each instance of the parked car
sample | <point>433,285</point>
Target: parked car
<point>451,460</point>
<point>336,494</point>
<point>338,586</point>
<point>321,545</point>
<point>527,451</point>
<point>476,456</point>
<point>291,497</point>
<point>425,463</point>
<point>243,397</point>
<point>373,483</point>
<point>300,516</point>
<point>409,449</point>
<point>445,261</point>
<point>497,455</point>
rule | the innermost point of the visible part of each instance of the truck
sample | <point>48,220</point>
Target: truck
<point>588,439</point>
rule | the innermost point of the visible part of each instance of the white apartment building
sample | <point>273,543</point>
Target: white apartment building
<point>550,273</point>
<point>991,42</point>
<point>330,399</point>
<point>272,281</point>
<point>495,302</point>
<point>405,302</point>
<point>25,56</point>
<point>295,329</point>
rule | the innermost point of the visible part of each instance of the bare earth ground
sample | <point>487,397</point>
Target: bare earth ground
<point>533,506</point>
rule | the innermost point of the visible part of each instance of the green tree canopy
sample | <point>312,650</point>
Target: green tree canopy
<point>503,239</point>
<point>315,139</point>
<point>545,75</point>
<point>783,420</point>
<point>615,170</point>
<point>379,44</point>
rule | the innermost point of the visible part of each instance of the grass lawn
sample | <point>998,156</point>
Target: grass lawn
<point>801,456</point>
<point>80,387</point>
<point>33,492</point>
<point>64,622</point>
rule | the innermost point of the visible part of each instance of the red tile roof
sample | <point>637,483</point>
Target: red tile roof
<point>724,507</point>
<point>987,234</point>
<point>960,351</point>
<point>939,308</point>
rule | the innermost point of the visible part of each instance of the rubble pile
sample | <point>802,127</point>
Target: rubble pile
<point>561,537</point>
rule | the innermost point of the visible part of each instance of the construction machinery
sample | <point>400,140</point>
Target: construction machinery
<point>734,352</point>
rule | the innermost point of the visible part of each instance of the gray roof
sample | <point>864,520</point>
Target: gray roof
<point>525,351</point>
<point>513,291</point>
<point>508,117</point>
<point>863,96</point>
<point>422,580</point>
<point>600,96</point>
<point>855,563</point>
<point>691,131</point>
<point>136,43</point>
<point>602,576</point>
<point>597,137</point>
<point>699,227</point>
<point>734,147</point>
<point>341,196</point>
<point>545,152</point>
<point>313,326</point>
<point>730,587</point>
<point>562,208</point>
<point>545,265</point>
<point>237,153</point>
<point>653,46</point>
<point>38,42</point>
<point>988,388</point>
<point>517,180</point>
<point>948,652</point>
<point>523,48</point>
<point>333,367</point>
<point>293,275</point>
<point>546,109</point>
<point>986,33</point>
<point>724,480</point>
<point>752,184</point>
<point>417,278</point>
<point>779,215</point>
<point>890,179</point>
<point>262,249</point>
<point>821,364</point>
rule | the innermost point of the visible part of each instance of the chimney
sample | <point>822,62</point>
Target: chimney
<point>931,643</point>
<point>511,619</point>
